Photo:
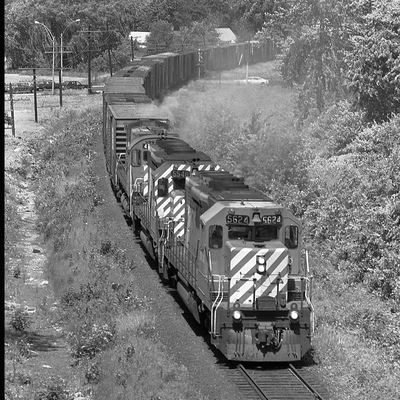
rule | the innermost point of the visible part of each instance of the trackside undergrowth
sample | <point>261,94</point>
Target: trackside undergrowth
<point>109,329</point>
<point>342,179</point>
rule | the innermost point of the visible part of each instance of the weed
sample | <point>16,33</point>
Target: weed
<point>12,223</point>
<point>18,353</point>
<point>20,320</point>
<point>90,340</point>
<point>106,247</point>
<point>92,373</point>
<point>19,378</point>
<point>54,388</point>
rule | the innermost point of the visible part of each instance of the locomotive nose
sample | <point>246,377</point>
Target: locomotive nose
<point>258,273</point>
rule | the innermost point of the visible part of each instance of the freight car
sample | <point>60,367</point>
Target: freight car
<point>233,254</point>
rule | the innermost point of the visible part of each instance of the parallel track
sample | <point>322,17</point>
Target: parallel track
<point>286,383</point>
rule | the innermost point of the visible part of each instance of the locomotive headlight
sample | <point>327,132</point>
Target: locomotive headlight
<point>237,315</point>
<point>261,265</point>
<point>294,315</point>
<point>261,268</point>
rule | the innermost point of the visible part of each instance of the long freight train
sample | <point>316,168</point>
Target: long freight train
<point>233,254</point>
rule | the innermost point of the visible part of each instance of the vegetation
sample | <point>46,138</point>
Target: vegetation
<point>26,43</point>
<point>109,329</point>
<point>20,320</point>
<point>329,47</point>
<point>341,176</point>
<point>332,156</point>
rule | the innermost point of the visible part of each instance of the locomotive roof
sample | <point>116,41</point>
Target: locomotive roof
<point>159,56</point>
<point>224,186</point>
<point>136,71</point>
<point>175,149</point>
<point>137,111</point>
<point>123,84</point>
<point>126,98</point>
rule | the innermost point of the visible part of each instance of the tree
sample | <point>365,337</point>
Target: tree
<point>161,36</point>
<point>178,13</point>
<point>374,62</point>
<point>312,35</point>
<point>354,213</point>
<point>251,14</point>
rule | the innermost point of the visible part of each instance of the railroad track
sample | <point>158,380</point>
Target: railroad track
<point>276,383</point>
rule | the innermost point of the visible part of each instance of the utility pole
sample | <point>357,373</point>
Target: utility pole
<point>132,54</point>
<point>62,45</point>
<point>12,111</point>
<point>53,40</point>
<point>89,62</point>
<point>200,63</point>
<point>90,50</point>
<point>60,83</point>
<point>35,95</point>
<point>109,53</point>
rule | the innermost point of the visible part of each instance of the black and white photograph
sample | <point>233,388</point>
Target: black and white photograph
<point>201,200</point>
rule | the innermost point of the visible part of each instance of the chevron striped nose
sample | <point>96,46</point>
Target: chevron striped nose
<point>247,283</point>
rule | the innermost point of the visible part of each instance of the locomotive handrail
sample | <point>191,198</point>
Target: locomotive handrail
<point>308,297</point>
<point>116,165</point>
<point>217,302</point>
<point>137,183</point>
<point>308,292</point>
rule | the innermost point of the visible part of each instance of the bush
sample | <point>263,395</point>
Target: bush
<point>90,339</point>
<point>20,320</point>
<point>353,212</point>
<point>12,223</point>
<point>55,389</point>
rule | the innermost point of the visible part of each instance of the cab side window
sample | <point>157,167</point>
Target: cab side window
<point>162,187</point>
<point>136,158</point>
<point>291,236</point>
<point>215,236</point>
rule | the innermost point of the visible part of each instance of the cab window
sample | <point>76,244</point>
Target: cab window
<point>162,187</point>
<point>237,232</point>
<point>258,233</point>
<point>291,236</point>
<point>215,236</point>
<point>135,157</point>
<point>265,233</point>
<point>179,183</point>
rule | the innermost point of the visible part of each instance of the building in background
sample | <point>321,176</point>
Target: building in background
<point>140,38</point>
<point>226,35</point>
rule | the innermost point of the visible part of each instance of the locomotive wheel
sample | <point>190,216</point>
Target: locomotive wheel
<point>119,194</point>
<point>163,272</point>
<point>136,226</point>
<point>172,278</point>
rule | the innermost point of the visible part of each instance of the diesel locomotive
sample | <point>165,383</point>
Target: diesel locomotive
<point>234,255</point>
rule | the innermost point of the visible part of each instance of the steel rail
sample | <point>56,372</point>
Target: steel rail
<point>294,371</point>
<point>251,382</point>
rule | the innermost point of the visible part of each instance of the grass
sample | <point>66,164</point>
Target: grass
<point>352,368</point>
<point>109,330</point>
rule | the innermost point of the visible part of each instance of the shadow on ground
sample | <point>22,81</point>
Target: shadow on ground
<point>37,342</point>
